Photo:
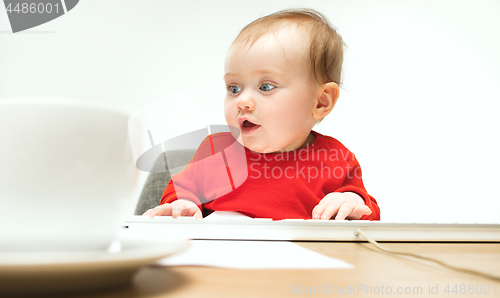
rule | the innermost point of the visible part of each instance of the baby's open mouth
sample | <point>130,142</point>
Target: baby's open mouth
<point>248,127</point>
<point>247,123</point>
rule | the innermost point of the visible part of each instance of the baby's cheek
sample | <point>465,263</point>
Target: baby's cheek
<point>230,113</point>
<point>228,118</point>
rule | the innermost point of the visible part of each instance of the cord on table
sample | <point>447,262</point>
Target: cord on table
<point>358,232</point>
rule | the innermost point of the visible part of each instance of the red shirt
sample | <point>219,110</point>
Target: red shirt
<point>225,176</point>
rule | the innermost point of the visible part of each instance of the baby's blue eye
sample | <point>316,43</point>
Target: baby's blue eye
<point>267,87</point>
<point>234,89</point>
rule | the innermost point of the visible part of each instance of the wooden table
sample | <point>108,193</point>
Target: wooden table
<point>376,274</point>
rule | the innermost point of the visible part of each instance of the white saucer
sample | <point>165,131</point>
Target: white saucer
<point>37,272</point>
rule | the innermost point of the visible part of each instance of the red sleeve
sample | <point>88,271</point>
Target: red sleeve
<point>353,182</point>
<point>173,193</point>
<point>187,184</point>
<point>169,194</point>
<point>206,176</point>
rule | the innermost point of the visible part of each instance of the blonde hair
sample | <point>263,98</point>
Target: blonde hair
<point>326,49</point>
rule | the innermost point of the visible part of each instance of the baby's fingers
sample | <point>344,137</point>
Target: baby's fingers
<point>318,210</point>
<point>198,214</point>
<point>344,211</point>
<point>358,211</point>
<point>326,209</point>
<point>186,209</point>
<point>162,210</point>
<point>331,210</point>
<point>180,209</point>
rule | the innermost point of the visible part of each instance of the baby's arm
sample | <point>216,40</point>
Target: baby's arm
<point>171,205</point>
<point>350,201</point>
<point>346,205</point>
<point>182,195</point>
<point>175,209</point>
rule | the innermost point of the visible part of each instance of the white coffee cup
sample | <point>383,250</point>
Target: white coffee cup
<point>66,174</point>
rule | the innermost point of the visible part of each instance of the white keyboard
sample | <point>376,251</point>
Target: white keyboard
<point>312,230</point>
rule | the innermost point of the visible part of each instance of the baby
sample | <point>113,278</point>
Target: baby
<point>282,74</point>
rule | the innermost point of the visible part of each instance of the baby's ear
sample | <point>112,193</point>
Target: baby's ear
<point>326,99</point>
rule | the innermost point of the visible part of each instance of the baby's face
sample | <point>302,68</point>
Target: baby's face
<point>271,92</point>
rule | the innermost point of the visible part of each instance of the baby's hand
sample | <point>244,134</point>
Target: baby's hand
<point>346,205</point>
<point>175,209</point>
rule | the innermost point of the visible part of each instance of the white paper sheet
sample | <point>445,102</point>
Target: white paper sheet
<point>226,215</point>
<point>252,255</point>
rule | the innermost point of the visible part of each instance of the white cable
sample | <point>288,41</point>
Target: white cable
<point>358,232</point>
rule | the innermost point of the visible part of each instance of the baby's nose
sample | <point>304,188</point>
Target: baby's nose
<point>245,102</point>
<point>244,107</point>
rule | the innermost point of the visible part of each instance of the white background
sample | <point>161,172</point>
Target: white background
<point>419,106</point>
